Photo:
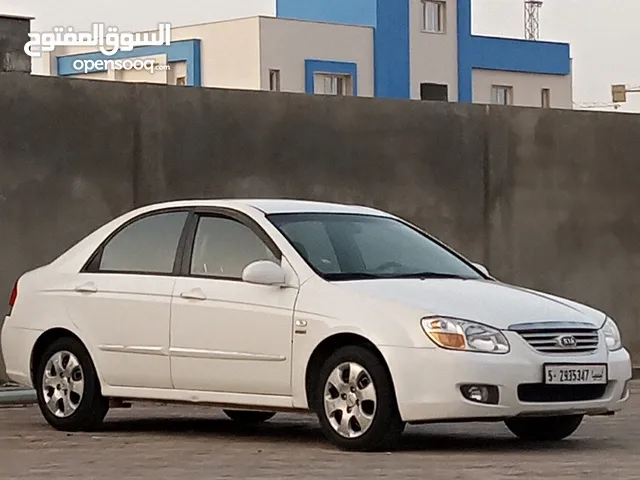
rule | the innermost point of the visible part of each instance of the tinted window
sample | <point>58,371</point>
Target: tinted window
<point>224,247</point>
<point>367,246</point>
<point>148,245</point>
<point>311,241</point>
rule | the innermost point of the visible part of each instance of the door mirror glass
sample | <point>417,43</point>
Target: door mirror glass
<point>264,272</point>
<point>482,268</point>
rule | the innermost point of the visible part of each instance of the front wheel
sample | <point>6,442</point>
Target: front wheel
<point>545,429</point>
<point>248,417</point>
<point>68,389</point>
<point>355,401</point>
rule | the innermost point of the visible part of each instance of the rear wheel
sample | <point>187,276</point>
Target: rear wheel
<point>248,417</point>
<point>355,401</point>
<point>68,389</point>
<point>545,429</point>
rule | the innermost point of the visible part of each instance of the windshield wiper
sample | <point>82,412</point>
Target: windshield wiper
<point>367,276</point>
<point>428,275</point>
<point>351,276</point>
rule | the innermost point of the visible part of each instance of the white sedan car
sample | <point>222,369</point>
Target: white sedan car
<point>263,306</point>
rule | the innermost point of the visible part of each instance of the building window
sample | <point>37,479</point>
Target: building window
<point>274,80</point>
<point>545,98</point>
<point>434,92</point>
<point>433,16</point>
<point>501,95</point>
<point>181,80</point>
<point>330,84</point>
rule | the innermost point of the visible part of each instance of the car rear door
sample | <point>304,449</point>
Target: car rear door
<point>121,300</point>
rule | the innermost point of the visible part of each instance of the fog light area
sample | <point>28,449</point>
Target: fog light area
<point>625,390</point>
<point>487,394</point>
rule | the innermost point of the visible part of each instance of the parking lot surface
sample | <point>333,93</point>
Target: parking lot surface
<point>175,442</point>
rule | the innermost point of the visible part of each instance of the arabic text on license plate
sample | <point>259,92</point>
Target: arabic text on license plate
<point>575,374</point>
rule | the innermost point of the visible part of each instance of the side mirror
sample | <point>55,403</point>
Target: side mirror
<point>264,272</point>
<point>482,268</point>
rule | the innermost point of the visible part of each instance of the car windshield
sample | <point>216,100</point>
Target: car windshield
<point>354,246</point>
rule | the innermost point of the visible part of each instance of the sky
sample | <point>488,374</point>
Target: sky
<point>599,31</point>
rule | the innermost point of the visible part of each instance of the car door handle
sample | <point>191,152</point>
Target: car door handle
<point>195,294</point>
<point>87,288</point>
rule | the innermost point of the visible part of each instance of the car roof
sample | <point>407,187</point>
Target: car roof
<point>272,206</point>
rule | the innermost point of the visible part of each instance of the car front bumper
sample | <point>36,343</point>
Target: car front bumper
<point>428,381</point>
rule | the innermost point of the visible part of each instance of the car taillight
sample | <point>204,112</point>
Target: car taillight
<point>13,297</point>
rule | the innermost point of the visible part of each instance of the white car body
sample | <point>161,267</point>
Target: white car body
<point>234,343</point>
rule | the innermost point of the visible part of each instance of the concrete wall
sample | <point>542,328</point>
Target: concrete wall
<point>434,56</point>
<point>546,198</point>
<point>14,34</point>
<point>527,87</point>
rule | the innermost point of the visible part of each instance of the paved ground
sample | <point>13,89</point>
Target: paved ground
<point>152,442</point>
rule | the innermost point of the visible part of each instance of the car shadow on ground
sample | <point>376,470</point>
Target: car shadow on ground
<point>308,433</point>
<point>216,428</point>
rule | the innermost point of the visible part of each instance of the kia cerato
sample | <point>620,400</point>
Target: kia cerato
<point>265,306</point>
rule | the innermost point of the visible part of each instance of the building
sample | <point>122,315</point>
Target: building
<point>417,49</point>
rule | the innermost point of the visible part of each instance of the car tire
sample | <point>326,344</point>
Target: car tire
<point>360,414</point>
<point>248,417</point>
<point>544,429</point>
<point>70,398</point>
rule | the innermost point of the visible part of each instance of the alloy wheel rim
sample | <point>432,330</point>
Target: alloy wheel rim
<point>350,400</point>
<point>63,384</point>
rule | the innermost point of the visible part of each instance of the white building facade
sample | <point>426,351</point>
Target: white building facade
<point>413,49</point>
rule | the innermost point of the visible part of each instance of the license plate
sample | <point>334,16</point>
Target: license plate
<point>575,374</point>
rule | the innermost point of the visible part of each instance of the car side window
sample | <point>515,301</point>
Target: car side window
<point>148,245</point>
<point>223,247</point>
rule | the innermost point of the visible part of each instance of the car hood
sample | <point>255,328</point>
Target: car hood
<point>489,302</point>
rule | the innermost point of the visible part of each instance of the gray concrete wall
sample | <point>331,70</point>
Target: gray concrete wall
<point>545,198</point>
<point>14,34</point>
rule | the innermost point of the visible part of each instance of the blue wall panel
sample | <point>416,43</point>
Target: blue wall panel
<point>516,55</point>
<point>351,12</point>
<point>392,50</point>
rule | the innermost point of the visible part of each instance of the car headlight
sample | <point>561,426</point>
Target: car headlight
<point>612,335</point>
<point>454,334</point>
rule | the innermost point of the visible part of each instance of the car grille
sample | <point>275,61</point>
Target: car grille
<point>550,341</point>
<point>540,393</point>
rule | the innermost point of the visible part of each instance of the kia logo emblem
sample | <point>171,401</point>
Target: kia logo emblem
<point>567,341</point>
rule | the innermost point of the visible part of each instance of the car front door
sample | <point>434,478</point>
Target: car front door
<point>228,335</point>
<point>121,301</point>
